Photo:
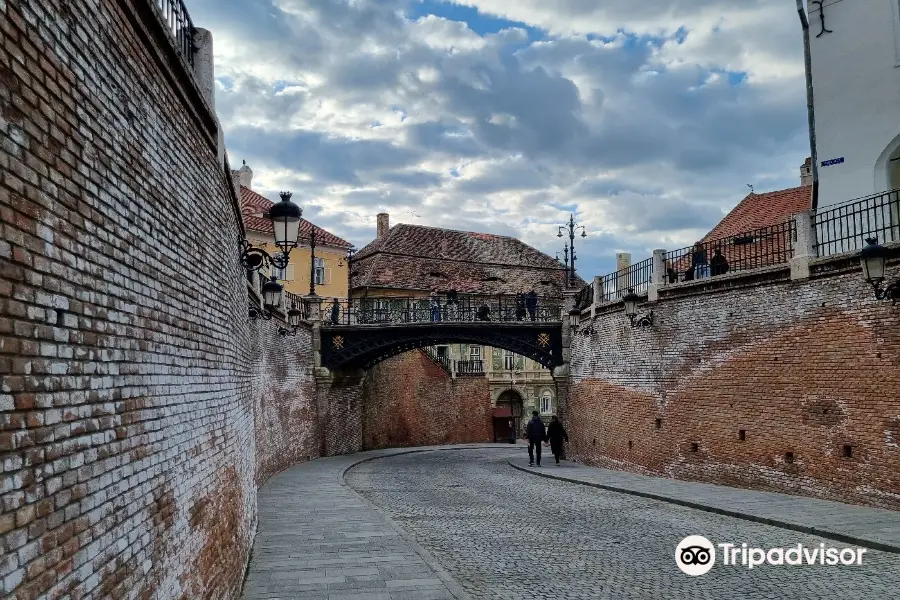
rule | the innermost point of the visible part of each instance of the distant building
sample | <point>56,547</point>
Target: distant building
<point>412,261</point>
<point>331,268</point>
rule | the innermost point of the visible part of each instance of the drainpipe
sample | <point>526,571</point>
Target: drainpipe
<point>810,106</point>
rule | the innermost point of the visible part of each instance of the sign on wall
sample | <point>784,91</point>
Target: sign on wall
<point>833,161</point>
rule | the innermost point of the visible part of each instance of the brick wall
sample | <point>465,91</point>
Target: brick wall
<point>803,367</point>
<point>133,387</point>
<point>409,400</point>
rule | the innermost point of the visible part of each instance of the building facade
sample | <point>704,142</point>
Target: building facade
<point>855,50</point>
<point>331,268</point>
<point>412,262</point>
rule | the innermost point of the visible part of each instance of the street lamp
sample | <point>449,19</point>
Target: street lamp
<point>574,319</point>
<point>350,252</point>
<point>285,218</point>
<point>872,259</point>
<point>294,315</point>
<point>571,227</point>
<point>272,292</point>
<point>631,301</point>
<point>312,260</point>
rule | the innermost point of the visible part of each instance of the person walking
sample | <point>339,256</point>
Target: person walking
<point>556,433</point>
<point>537,434</point>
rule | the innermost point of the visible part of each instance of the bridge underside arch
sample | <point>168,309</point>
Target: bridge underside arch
<point>364,347</point>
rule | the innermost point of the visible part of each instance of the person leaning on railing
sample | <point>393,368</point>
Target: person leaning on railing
<point>699,262</point>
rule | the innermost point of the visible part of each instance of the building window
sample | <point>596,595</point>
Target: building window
<point>475,353</point>
<point>285,274</point>
<point>509,360</point>
<point>320,271</point>
<point>546,404</point>
<point>443,351</point>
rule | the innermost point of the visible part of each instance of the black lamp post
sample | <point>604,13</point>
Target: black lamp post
<point>631,301</point>
<point>350,252</point>
<point>872,259</point>
<point>312,260</point>
<point>571,227</point>
<point>285,217</point>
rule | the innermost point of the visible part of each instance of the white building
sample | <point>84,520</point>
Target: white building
<point>856,77</point>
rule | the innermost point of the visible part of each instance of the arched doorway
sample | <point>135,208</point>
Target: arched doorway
<point>508,416</point>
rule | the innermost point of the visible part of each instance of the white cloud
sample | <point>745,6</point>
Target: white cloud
<point>359,109</point>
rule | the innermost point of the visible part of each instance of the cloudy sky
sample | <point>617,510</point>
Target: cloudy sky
<point>646,118</point>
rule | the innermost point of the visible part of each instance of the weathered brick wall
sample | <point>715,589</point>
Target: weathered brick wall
<point>340,402</point>
<point>805,367</point>
<point>283,394</point>
<point>409,400</point>
<point>131,393</point>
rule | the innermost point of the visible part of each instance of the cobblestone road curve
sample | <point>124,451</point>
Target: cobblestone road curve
<point>505,534</point>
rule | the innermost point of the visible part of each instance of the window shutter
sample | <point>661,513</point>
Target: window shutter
<point>290,273</point>
<point>328,276</point>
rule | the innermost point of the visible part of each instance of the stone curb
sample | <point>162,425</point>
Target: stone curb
<point>452,586</point>
<point>832,535</point>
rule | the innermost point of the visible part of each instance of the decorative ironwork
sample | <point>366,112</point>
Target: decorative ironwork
<point>470,367</point>
<point>363,346</point>
<point>257,314</point>
<point>571,228</point>
<point>441,359</point>
<point>178,20</point>
<point>822,17</point>
<point>448,308</point>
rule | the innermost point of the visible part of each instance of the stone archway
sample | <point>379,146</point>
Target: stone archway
<point>508,415</point>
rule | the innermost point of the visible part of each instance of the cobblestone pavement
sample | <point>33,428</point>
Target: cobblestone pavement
<point>505,534</point>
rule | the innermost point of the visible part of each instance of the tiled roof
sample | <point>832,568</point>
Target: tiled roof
<point>414,257</point>
<point>762,210</point>
<point>252,204</point>
<point>756,211</point>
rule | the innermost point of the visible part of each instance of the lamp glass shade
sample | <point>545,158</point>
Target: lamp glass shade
<point>574,318</point>
<point>872,259</point>
<point>272,291</point>
<point>294,316</point>
<point>285,216</point>
<point>631,301</point>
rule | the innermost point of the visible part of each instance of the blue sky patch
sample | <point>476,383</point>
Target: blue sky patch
<point>479,22</point>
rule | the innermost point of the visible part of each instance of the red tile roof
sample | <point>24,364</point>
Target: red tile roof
<point>252,204</point>
<point>415,257</point>
<point>762,210</point>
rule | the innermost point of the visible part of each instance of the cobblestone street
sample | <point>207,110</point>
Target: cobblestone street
<point>502,533</point>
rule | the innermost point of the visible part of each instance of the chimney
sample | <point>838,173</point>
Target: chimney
<point>245,176</point>
<point>806,172</point>
<point>623,260</point>
<point>383,225</point>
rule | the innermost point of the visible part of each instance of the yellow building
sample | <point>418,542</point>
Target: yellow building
<point>331,264</point>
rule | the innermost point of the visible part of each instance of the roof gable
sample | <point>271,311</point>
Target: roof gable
<point>762,210</point>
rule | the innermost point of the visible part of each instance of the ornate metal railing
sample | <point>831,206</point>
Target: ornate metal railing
<point>443,360</point>
<point>754,249</point>
<point>178,20</point>
<point>845,227</point>
<point>442,309</point>
<point>470,367</point>
<point>296,301</point>
<point>615,285</point>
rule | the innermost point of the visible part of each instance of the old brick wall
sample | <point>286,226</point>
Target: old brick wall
<point>283,393</point>
<point>340,404</point>
<point>409,400</point>
<point>803,367</point>
<point>131,395</point>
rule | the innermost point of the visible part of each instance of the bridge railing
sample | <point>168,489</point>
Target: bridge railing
<point>443,309</point>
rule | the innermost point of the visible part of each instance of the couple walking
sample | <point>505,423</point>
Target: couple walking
<point>537,433</point>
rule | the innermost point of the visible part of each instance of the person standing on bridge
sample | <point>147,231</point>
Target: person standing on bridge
<point>531,301</point>
<point>556,433</point>
<point>435,307</point>
<point>537,434</point>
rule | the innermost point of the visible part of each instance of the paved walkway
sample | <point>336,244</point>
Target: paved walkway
<point>867,527</point>
<point>317,539</point>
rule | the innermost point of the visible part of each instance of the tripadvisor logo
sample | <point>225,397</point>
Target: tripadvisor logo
<point>695,555</point>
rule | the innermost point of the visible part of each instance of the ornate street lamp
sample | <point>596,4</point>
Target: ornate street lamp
<point>285,217</point>
<point>571,227</point>
<point>350,251</point>
<point>294,316</point>
<point>872,259</point>
<point>272,292</point>
<point>631,301</point>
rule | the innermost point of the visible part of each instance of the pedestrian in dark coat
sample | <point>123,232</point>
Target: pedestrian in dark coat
<point>531,301</point>
<point>537,434</point>
<point>556,433</point>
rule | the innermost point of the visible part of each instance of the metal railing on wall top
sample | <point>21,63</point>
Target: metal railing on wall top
<point>176,17</point>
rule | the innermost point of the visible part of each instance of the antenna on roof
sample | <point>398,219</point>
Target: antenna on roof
<point>751,187</point>
<point>244,161</point>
